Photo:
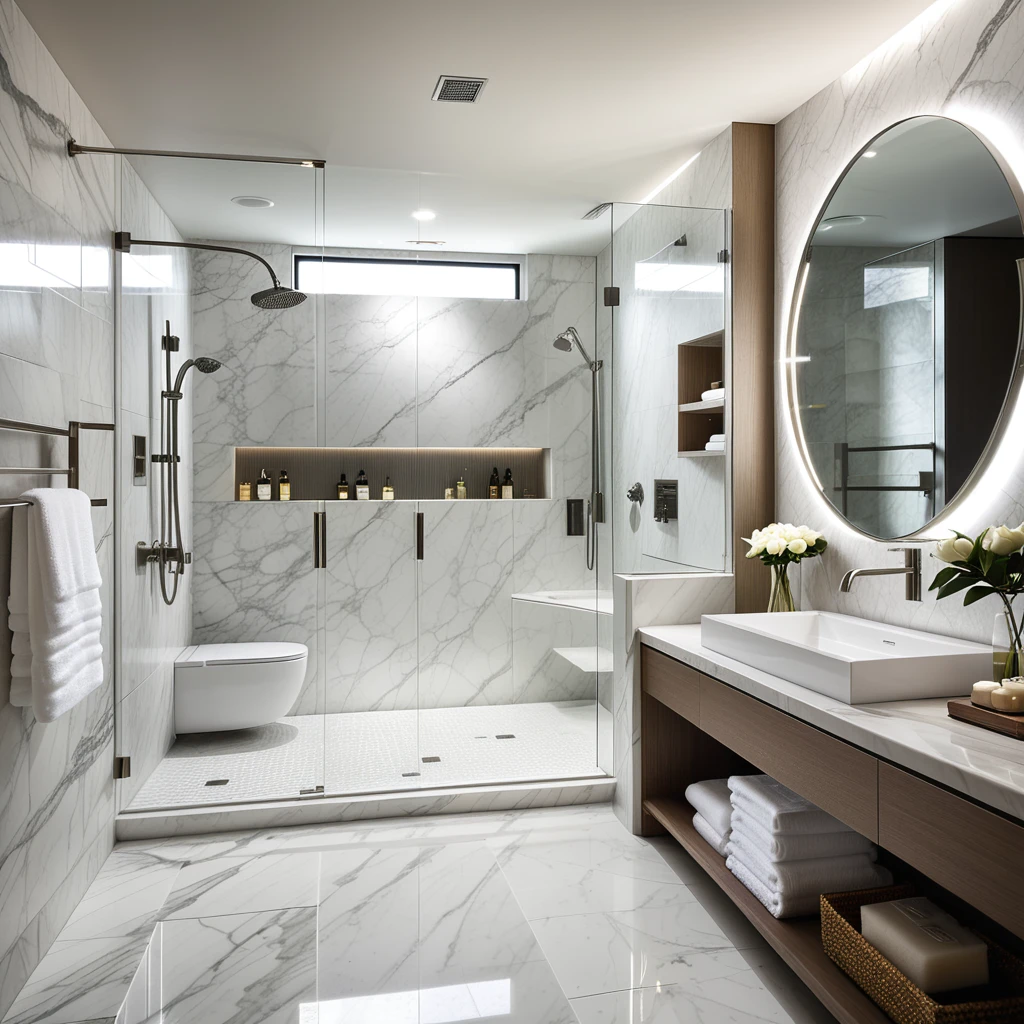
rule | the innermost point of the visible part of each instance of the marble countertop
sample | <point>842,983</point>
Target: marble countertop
<point>917,734</point>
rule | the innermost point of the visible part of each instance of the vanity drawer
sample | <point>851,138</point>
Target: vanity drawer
<point>836,776</point>
<point>974,853</point>
<point>676,685</point>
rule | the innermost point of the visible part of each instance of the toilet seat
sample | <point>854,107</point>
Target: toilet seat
<point>263,652</point>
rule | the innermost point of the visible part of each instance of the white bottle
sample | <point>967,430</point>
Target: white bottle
<point>263,486</point>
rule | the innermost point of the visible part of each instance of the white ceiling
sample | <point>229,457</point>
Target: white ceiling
<point>587,100</point>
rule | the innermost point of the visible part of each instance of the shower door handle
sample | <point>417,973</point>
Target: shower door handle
<point>316,540</point>
<point>419,536</point>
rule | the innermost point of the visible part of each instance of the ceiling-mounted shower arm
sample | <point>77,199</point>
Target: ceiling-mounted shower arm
<point>74,149</point>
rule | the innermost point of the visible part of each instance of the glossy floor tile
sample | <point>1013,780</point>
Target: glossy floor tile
<point>550,916</point>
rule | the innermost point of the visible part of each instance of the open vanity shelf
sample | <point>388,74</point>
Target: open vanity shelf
<point>700,363</point>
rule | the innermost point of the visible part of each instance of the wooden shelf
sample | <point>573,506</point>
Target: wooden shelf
<point>715,340</point>
<point>715,403</point>
<point>797,941</point>
<point>701,453</point>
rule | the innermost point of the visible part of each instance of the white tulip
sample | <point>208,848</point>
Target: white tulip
<point>1002,540</point>
<point>775,546</point>
<point>797,546</point>
<point>954,549</point>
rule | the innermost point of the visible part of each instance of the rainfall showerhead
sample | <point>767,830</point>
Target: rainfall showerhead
<point>278,297</point>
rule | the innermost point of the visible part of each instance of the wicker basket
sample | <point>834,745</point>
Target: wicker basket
<point>896,994</point>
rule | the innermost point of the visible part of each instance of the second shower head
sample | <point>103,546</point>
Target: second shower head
<point>204,364</point>
<point>568,340</point>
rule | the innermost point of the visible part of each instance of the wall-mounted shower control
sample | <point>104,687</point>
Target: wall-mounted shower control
<point>138,460</point>
<point>666,500</point>
<point>575,518</point>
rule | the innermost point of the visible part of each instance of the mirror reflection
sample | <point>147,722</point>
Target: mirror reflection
<point>908,325</point>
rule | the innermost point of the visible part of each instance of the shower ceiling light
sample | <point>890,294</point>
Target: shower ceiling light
<point>423,215</point>
<point>869,155</point>
<point>253,202</point>
<point>850,220</point>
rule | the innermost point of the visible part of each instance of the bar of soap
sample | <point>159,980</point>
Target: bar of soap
<point>931,948</point>
<point>981,693</point>
<point>1009,699</point>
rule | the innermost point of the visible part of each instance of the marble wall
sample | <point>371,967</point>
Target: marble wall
<point>56,364</point>
<point>960,58</point>
<point>384,631</point>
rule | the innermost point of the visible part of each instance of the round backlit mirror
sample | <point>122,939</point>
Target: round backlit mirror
<point>906,335</point>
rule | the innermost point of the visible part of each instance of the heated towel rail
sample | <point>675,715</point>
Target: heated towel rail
<point>71,432</point>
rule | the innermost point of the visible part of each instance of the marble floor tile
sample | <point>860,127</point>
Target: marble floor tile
<point>257,968</point>
<point>592,953</point>
<point>238,885</point>
<point>391,917</point>
<point>719,988</point>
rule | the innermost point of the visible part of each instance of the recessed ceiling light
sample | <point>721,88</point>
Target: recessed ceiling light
<point>253,202</point>
<point>843,221</point>
<point>869,155</point>
<point>423,215</point>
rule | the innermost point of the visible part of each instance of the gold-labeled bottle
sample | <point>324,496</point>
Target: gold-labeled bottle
<point>387,491</point>
<point>460,488</point>
<point>507,486</point>
<point>245,491</point>
<point>362,487</point>
<point>284,487</point>
<point>494,487</point>
<point>343,488</point>
<point>263,486</point>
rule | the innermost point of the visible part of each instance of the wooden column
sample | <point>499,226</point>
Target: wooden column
<point>753,353</point>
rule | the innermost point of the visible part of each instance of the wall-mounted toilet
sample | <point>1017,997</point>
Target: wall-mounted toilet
<point>219,687</point>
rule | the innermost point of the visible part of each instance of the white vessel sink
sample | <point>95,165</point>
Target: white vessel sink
<point>853,660</point>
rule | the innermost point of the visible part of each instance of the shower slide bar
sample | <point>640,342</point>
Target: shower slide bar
<point>71,432</point>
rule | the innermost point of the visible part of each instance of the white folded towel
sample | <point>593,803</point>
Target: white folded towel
<point>810,877</point>
<point>714,839</point>
<point>715,446</point>
<point>717,437</point>
<point>710,799</point>
<point>779,810</point>
<point>799,847</point>
<point>55,581</point>
<point>778,904</point>
<point>712,394</point>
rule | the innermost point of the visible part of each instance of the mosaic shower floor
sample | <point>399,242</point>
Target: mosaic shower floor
<point>380,752</point>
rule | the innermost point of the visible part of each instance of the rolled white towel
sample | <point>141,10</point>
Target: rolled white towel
<point>810,877</point>
<point>800,847</point>
<point>779,810</point>
<point>712,394</point>
<point>715,446</point>
<point>714,839</point>
<point>717,437</point>
<point>778,904</point>
<point>710,799</point>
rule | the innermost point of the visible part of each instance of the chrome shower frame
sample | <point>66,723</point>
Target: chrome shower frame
<point>566,341</point>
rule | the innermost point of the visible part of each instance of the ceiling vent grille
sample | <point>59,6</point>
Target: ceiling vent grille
<point>458,89</point>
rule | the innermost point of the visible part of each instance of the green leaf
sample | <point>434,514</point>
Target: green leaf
<point>997,573</point>
<point>944,576</point>
<point>955,586</point>
<point>977,551</point>
<point>977,594</point>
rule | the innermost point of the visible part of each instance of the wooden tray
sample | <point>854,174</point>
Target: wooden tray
<point>987,718</point>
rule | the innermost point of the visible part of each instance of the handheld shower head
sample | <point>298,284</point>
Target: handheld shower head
<point>568,340</point>
<point>277,297</point>
<point>564,341</point>
<point>204,364</point>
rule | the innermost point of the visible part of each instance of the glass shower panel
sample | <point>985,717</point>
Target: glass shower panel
<point>670,387</point>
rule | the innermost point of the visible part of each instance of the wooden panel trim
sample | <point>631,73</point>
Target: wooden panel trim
<point>753,353</point>
<point>672,682</point>
<point>838,777</point>
<point>973,852</point>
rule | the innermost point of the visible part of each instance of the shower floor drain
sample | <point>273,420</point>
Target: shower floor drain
<point>430,760</point>
<point>217,782</point>
<point>410,775</point>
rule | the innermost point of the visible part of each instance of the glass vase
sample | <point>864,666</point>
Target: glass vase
<point>781,599</point>
<point>1007,655</point>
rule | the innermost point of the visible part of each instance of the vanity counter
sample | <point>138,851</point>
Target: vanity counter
<point>917,735</point>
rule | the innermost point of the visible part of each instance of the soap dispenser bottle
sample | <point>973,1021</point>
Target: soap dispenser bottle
<point>460,487</point>
<point>263,486</point>
<point>343,488</point>
<point>506,484</point>
<point>494,487</point>
<point>387,492</point>
<point>362,487</point>
<point>284,487</point>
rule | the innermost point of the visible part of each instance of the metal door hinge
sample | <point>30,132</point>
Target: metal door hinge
<point>723,255</point>
<point>611,295</point>
<point>123,767</point>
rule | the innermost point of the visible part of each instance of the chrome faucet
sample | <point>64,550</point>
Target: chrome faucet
<point>911,568</point>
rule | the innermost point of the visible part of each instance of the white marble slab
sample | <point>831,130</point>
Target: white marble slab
<point>918,735</point>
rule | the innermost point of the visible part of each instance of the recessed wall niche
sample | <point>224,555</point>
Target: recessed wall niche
<point>416,474</point>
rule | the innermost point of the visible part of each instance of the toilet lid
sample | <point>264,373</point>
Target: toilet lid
<point>240,654</point>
